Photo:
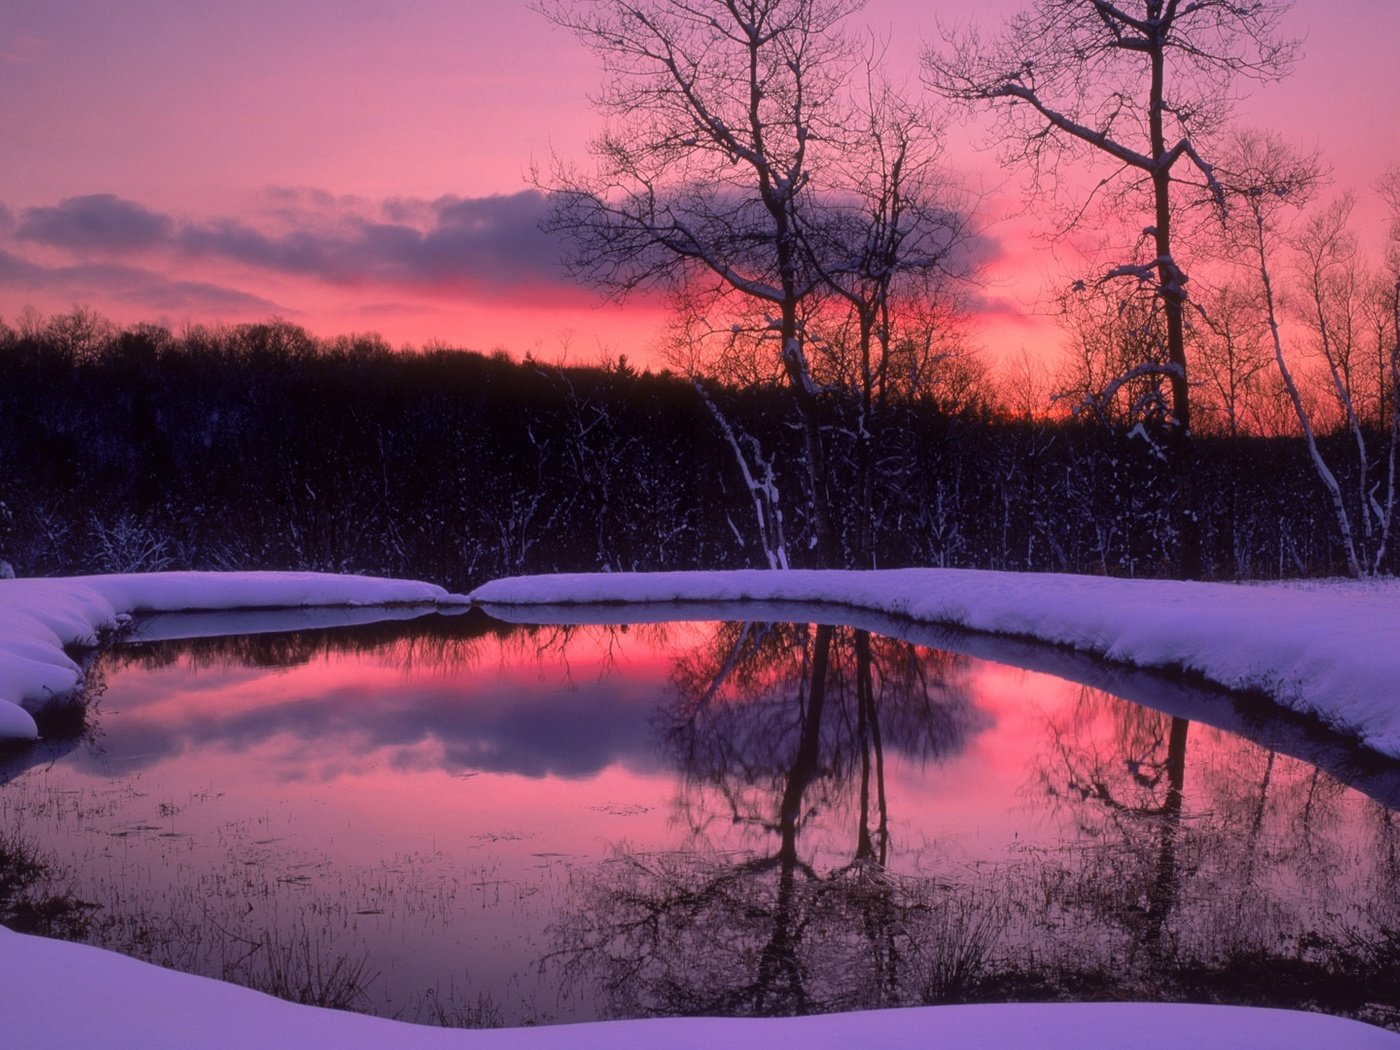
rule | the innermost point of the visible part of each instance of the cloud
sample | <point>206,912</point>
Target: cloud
<point>982,303</point>
<point>293,253</point>
<point>17,271</point>
<point>467,248</point>
<point>199,296</point>
<point>484,243</point>
<point>489,244</point>
<point>99,222</point>
<point>130,284</point>
<point>500,234</point>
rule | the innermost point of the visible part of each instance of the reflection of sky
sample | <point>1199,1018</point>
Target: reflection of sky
<point>438,817</point>
<point>509,715</point>
<point>527,722</point>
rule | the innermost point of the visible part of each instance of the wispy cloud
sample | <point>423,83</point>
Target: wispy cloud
<point>131,284</point>
<point>25,49</point>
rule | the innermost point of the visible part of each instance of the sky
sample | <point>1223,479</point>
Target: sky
<point>364,165</point>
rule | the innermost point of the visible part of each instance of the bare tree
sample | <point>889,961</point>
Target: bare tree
<point>1389,296</point>
<point>718,110</point>
<point>889,244</point>
<point>1333,308</point>
<point>1116,368</point>
<point>1139,85</point>
<point>1268,179</point>
<point>1231,358</point>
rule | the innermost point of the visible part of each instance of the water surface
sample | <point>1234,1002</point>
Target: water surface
<point>467,822</point>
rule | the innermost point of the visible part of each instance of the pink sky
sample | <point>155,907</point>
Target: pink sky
<point>361,165</point>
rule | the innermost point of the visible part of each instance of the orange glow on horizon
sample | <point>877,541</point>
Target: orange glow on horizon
<point>335,122</point>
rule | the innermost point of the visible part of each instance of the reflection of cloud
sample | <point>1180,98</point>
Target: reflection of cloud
<point>525,727</point>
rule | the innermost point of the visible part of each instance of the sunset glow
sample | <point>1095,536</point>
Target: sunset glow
<point>366,167</point>
<point>459,810</point>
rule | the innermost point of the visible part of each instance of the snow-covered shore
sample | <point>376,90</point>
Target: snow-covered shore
<point>1331,650</point>
<point>71,997</point>
<point>1326,649</point>
<point>39,618</point>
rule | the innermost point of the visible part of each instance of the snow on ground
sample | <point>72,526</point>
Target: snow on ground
<point>39,617</point>
<point>1330,649</point>
<point>1333,651</point>
<point>66,996</point>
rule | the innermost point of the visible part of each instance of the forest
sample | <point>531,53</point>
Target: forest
<point>825,401</point>
<point>261,446</point>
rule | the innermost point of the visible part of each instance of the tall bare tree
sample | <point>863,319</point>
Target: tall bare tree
<point>1269,180</point>
<point>717,112</point>
<point>1139,86</point>
<point>1337,293</point>
<point>890,243</point>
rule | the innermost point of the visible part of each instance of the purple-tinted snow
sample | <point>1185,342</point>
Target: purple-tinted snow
<point>39,617</point>
<point>1330,649</point>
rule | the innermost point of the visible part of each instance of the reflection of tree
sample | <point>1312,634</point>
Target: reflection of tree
<point>783,904</point>
<point>1260,846</point>
<point>429,641</point>
<point>1242,875</point>
<point>33,897</point>
<point>803,716</point>
<point>1136,786</point>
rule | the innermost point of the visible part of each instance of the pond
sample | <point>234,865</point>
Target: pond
<point>462,821</point>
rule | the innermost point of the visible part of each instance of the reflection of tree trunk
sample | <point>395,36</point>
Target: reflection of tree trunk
<point>883,833</point>
<point>1390,855</point>
<point>872,758</point>
<point>1162,895</point>
<point>779,968</point>
<point>807,760</point>
<point>876,900</point>
<point>1307,821</point>
<point>865,849</point>
<point>1256,824</point>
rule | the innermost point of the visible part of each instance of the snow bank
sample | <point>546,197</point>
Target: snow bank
<point>72,997</point>
<point>40,617</point>
<point>1330,650</point>
<point>1327,650</point>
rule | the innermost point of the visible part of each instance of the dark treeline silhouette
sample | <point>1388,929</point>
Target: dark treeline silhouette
<point>259,446</point>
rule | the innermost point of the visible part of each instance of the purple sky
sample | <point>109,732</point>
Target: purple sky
<point>357,165</point>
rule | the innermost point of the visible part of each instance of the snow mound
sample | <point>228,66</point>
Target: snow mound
<point>71,997</point>
<point>1328,649</point>
<point>39,618</point>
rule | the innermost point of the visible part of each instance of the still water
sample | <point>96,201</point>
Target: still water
<point>467,822</point>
